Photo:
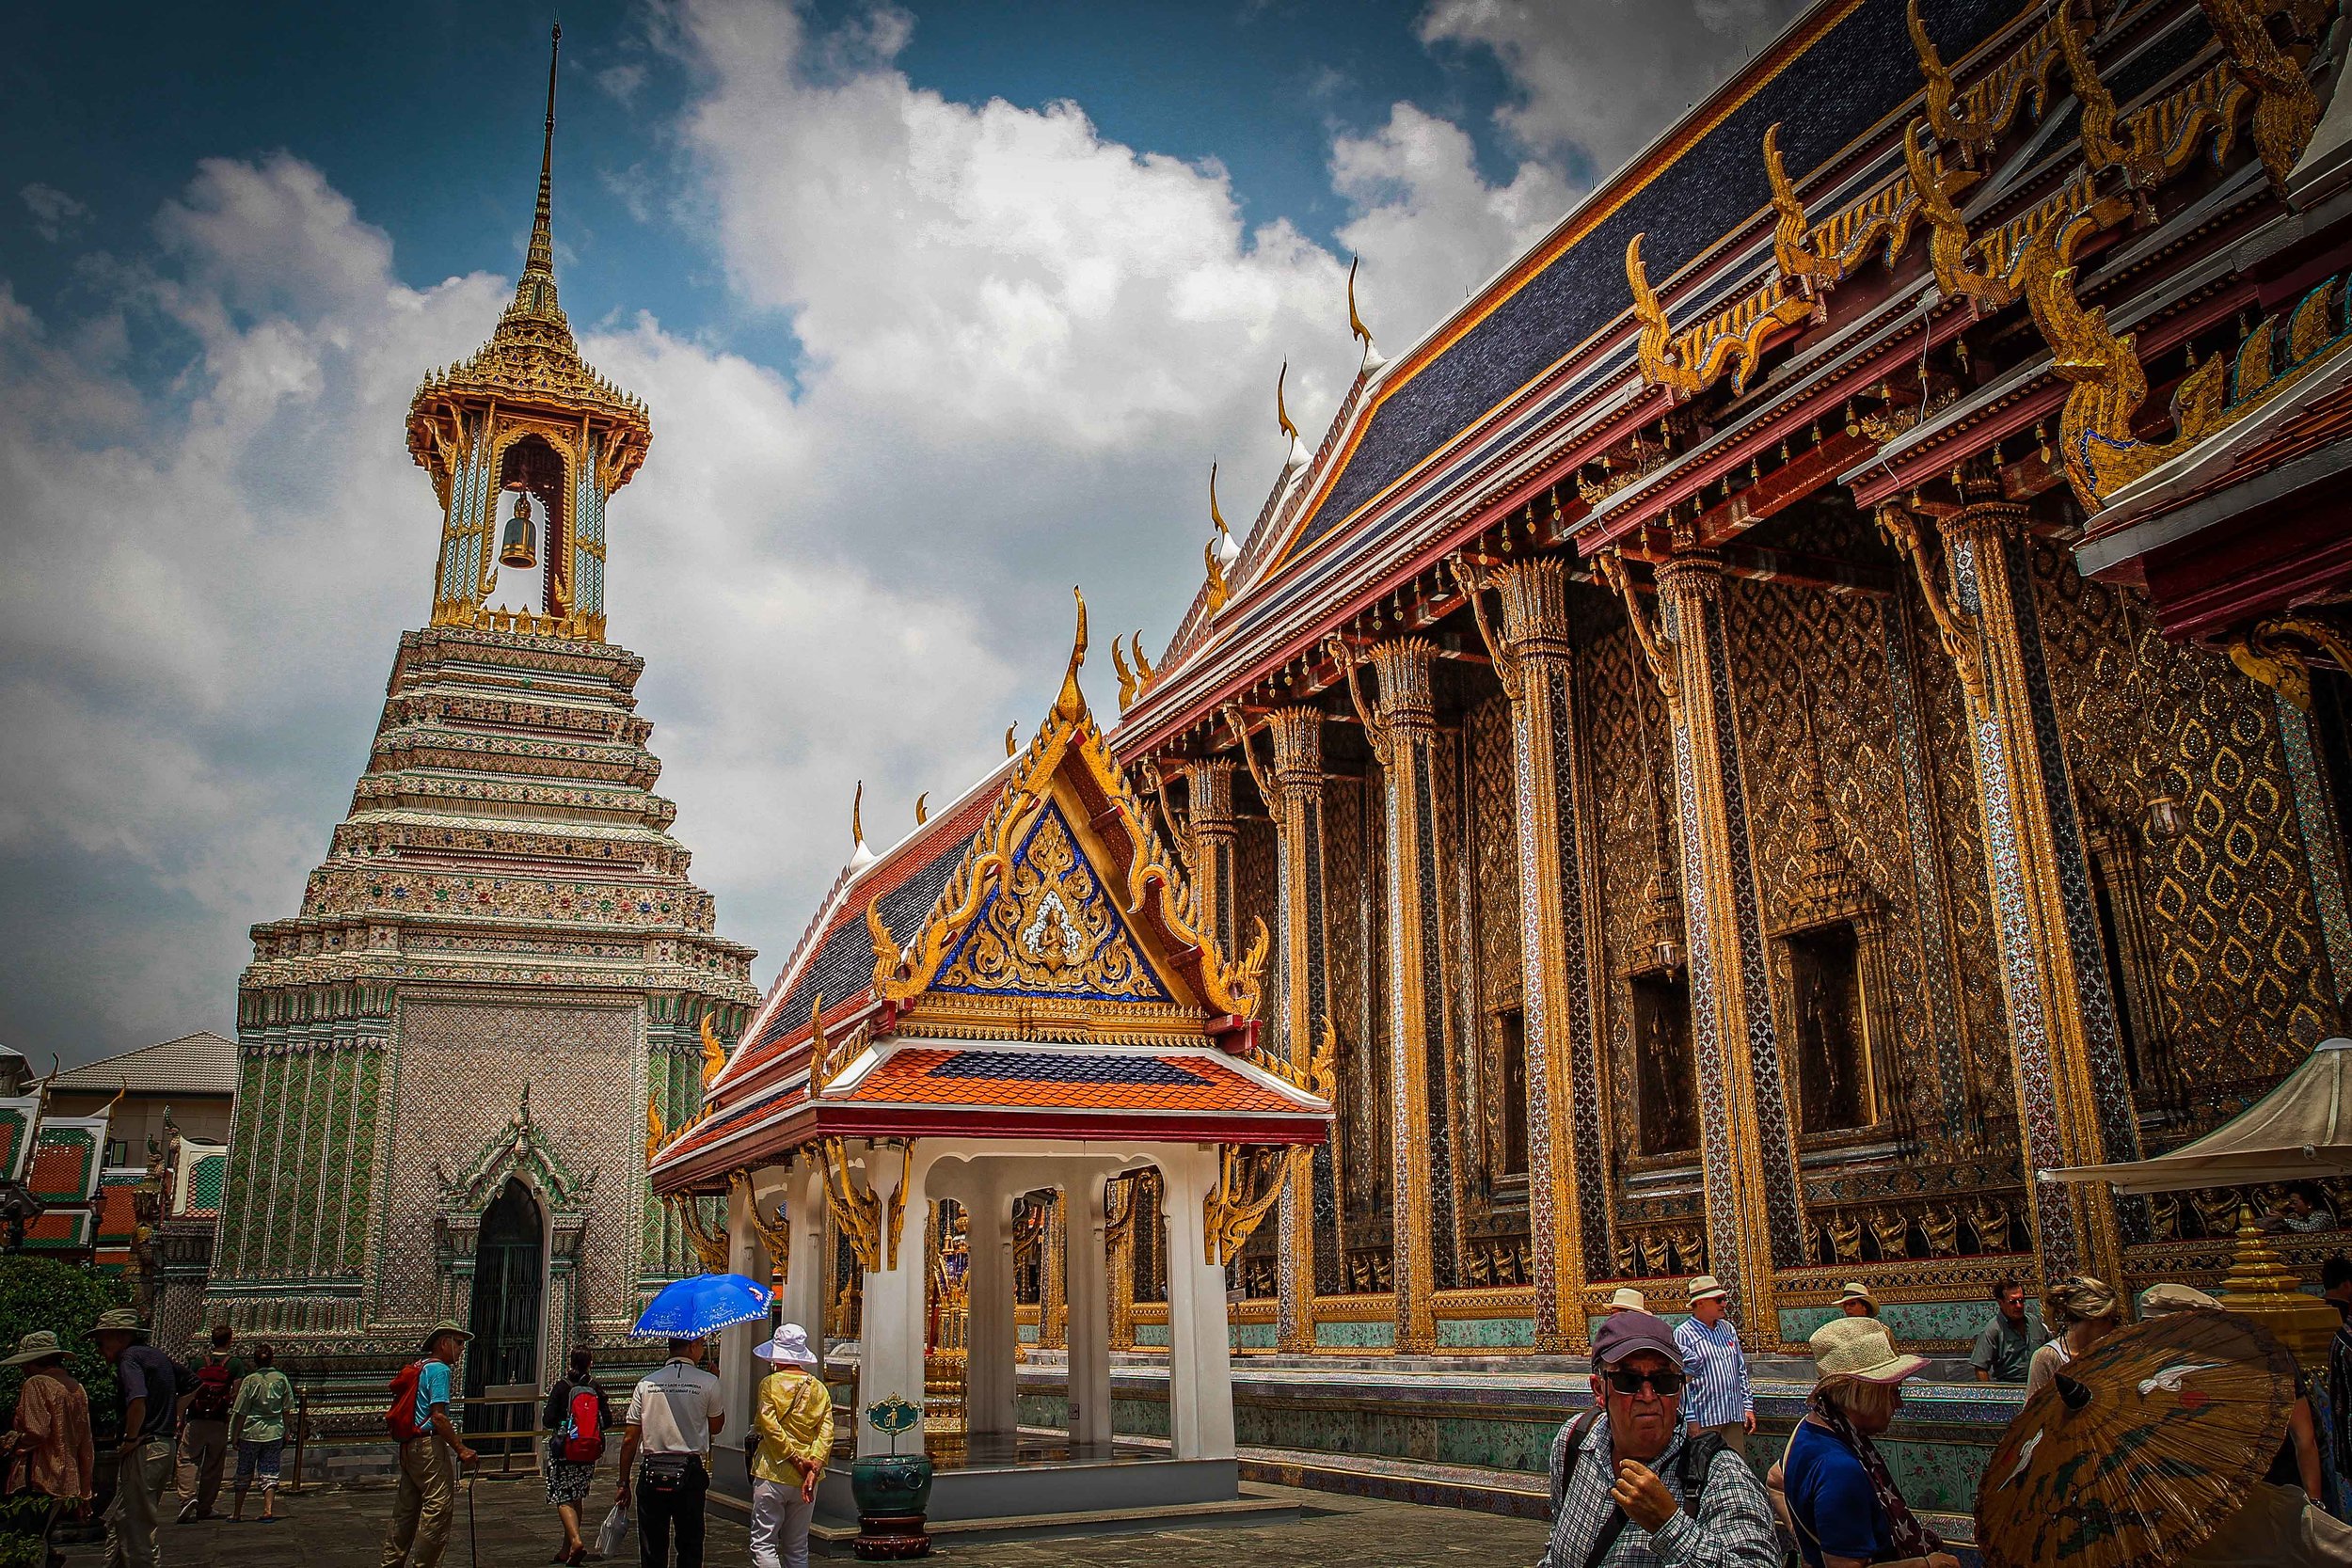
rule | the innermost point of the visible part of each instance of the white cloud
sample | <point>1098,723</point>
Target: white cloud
<point>1595,81</point>
<point>54,211</point>
<point>1022,342</point>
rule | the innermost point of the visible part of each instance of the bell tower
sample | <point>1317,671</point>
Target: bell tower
<point>524,420</point>
<point>501,975</point>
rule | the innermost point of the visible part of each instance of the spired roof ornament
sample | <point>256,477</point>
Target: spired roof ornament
<point>530,359</point>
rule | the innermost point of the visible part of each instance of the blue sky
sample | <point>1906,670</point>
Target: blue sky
<point>939,308</point>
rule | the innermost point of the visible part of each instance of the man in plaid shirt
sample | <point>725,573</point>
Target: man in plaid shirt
<point>1628,1490</point>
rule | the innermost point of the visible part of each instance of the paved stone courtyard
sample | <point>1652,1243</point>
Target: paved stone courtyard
<point>342,1527</point>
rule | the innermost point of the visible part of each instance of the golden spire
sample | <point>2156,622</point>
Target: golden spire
<point>1071,704</point>
<point>539,264</point>
<point>1373,359</point>
<point>1283,414</point>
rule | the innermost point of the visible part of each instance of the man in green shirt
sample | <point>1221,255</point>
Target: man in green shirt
<point>2006,1347</point>
<point>257,1425</point>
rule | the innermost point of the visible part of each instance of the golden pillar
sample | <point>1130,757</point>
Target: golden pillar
<point>1053,1298</point>
<point>1209,815</point>
<point>1747,1152</point>
<point>2074,1101</point>
<point>1402,724</point>
<point>1119,1235</point>
<point>1307,1197</point>
<point>1559,919</point>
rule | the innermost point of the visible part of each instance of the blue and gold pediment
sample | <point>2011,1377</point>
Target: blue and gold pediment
<point>1049,928</point>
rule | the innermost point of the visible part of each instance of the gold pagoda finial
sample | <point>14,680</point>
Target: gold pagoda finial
<point>1281,412</point>
<point>1071,704</point>
<point>540,263</point>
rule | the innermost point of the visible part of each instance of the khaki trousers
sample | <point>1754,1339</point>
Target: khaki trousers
<point>1734,1434</point>
<point>422,1506</point>
<point>139,1487</point>
<point>203,1447</point>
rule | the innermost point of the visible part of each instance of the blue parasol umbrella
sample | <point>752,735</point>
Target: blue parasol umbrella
<point>691,1307</point>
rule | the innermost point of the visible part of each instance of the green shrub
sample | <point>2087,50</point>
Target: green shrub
<point>64,1298</point>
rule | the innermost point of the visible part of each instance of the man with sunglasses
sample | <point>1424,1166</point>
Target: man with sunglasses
<point>1630,1489</point>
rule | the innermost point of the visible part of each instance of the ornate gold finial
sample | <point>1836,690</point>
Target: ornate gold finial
<point>1010,732</point>
<point>1281,411</point>
<point>1126,675</point>
<point>654,1133</point>
<point>1071,704</point>
<point>1795,258</point>
<point>714,1055</point>
<point>539,263</point>
<point>1373,360</point>
<point>1143,666</point>
<point>921,816</point>
<point>1214,515</point>
<point>857,808</point>
<point>1653,345</point>
<point>2286,109</point>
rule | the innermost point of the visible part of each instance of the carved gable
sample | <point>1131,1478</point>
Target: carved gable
<point>1049,928</point>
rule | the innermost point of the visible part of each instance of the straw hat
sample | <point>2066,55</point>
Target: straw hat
<point>37,1346</point>
<point>1861,1348</point>
<point>1856,1290</point>
<point>1705,1285</point>
<point>1627,1299</point>
<point>791,1344</point>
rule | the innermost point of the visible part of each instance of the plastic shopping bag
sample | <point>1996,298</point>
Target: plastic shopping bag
<point>612,1536</point>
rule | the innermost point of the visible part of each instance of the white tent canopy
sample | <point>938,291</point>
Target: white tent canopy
<point>2298,1131</point>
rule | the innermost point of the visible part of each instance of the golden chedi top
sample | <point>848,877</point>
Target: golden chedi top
<point>526,417</point>
<point>531,358</point>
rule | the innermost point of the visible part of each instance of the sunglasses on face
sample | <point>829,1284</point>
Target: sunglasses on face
<point>1666,1382</point>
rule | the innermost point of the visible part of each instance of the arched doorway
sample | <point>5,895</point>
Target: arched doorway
<point>509,1293</point>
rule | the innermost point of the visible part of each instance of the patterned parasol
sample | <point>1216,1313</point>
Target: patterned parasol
<point>2141,1449</point>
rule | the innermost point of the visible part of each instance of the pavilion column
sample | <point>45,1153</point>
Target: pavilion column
<point>1200,1353</point>
<point>1308,1199</point>
<point>1090,1325</point>
<point>1559,914</point>
<point>807,1246</point>
<point>1210,818</point>
<point>1120,1232</point>
<point>1401,726</point>
<point>2073,1100</point>
<point>891,1336</point>
<point>990,1376</point>
<point>1052,1306</point>
<point>739,1370</point>
<point>1747,1151</point>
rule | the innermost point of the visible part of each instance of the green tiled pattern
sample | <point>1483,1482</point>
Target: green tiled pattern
<point>1348,1335</point>
<point>1488,1333</point>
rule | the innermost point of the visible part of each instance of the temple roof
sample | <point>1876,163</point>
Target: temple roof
<point>197,1066</point>
<point>1029,962</point>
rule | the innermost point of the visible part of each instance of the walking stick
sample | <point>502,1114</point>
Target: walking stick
<point>473,1540</point>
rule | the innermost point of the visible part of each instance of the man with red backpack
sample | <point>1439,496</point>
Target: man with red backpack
<point>419,1416</point>
<point>204,1425</point>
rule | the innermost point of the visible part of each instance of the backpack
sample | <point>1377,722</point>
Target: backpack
<point>583,1434</point>
<point>1696,1460</point>
<point>215,1392</point>
<point>401,1415</point>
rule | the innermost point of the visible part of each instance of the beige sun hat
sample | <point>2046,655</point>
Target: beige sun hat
<point>1861,1348</point>
<point>121,1319</point>
<point>1706,1284</point>
<point>1856,1290</point>
<point>2157,1301</point>
<point>37,1346</point>
<point>791,1345</point>
<point>1626,1299</point>
<point>445,1326</point>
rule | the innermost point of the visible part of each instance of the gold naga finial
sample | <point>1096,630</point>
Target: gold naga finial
<point>1281,410</point>
<point>1126,675</point>
<point>1214,515</point>
<point>654,1133</point>
<point>1220,553</point>
<point>921,816</point>
<point>119,1093</point>
<point>1373,360</point>
<point>1071,704</point>
<point>1011,731</point>
<point>857,807</point>
<point>714,1055</point>
<point>1143,666</point>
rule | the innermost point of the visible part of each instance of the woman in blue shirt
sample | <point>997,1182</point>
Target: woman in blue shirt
<point>1840,1496</point>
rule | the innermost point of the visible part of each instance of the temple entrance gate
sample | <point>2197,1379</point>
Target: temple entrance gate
<point>509,1293</point>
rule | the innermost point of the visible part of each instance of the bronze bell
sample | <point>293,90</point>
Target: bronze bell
<point>519,547</point>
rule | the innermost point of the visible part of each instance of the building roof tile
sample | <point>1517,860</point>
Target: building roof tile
<point>194,1064</point>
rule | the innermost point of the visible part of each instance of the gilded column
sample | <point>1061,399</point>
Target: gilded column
<point>1558,913</point>
<point>1053,1299</point>
<point>1308,1201</point>
<point>1747,1151</point>
<point>1210,822</point>
<point>2074,1101</point>
<point>1402,724</point>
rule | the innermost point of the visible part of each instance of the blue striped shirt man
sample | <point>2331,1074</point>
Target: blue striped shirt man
<point>1717,1393</point>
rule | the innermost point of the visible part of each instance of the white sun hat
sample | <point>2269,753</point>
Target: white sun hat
<point>791,1344</point>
